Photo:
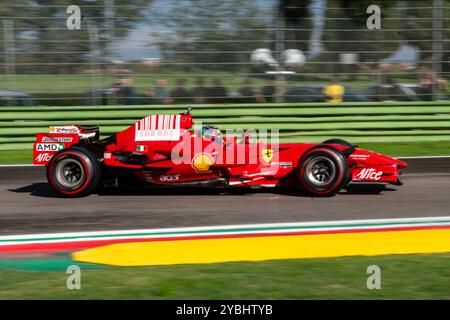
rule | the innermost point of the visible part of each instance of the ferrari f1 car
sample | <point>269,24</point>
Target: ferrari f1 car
<point>162,150</point>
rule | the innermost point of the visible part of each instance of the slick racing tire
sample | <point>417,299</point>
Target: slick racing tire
<point>323,171</point>
<point>339,142</point>
<point>74,172</point>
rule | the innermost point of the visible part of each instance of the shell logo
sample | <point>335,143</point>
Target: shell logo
<point>201,162</point>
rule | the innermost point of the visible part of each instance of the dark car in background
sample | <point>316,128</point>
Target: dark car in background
<point>15,99</point>
<point>392,92</point>
<point>376,92</point>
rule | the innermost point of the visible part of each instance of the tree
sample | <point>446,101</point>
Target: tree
<point>402,22</point>
<point>215,32</point>
<point>298,22</point>
<point>418,24</point>
<point>346,30</point>
<point>40,30</point>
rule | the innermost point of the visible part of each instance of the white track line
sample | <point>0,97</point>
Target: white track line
<point>17,165</point>
<point>367,223</point>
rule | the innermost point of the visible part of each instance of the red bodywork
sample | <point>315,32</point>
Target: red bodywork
<point>149,155</point>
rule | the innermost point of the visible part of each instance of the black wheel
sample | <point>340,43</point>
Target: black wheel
<point>323,171</point>
<point>74,172</point>
<point>339,142</point>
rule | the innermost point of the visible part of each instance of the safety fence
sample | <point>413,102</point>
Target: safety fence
<point>356,122</point>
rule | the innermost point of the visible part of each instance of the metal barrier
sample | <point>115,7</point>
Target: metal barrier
<point>356,122</point>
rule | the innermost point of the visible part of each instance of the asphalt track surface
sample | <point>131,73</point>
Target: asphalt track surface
<point>28,205</point>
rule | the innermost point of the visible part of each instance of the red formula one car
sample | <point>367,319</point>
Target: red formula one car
<point>161,150</point>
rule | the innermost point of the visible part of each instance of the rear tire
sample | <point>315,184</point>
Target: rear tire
<point>74,172</point>
<point>323,171</point>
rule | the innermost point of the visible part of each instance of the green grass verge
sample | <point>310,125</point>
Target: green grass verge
<point>16,157</point>
<point>392,149</point>
<point>402,277</point>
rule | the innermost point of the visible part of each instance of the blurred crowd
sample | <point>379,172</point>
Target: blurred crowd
<point>200,92</point>
<point>429,87</point>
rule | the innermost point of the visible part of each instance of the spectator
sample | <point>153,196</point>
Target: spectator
<point>334,91</point>
<point>443,89</point>
<point>387,89</point>
<point>199,91</point>
<point>123,88</point>
<point>248,93</point>
<point>217,93</point>
<point>180,93</point>
<point>269,91</point>
<point>429,83</point>
<point>426,84</point>
<point>160,93</point>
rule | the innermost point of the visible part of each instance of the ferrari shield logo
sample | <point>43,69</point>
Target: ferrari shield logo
<point>267,154</point>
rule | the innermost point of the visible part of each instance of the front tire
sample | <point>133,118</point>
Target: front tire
<point>323,171</point>
<point>74,172</point>
<point>338,142</point>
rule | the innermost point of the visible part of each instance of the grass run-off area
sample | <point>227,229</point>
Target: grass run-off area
<point>425,276</point>
<point>392,149</point>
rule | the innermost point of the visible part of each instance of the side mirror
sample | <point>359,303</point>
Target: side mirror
<point>188,112</point>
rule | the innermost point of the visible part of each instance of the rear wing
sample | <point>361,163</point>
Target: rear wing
<point>62,137</point>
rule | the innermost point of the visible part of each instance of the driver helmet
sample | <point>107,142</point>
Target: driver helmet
<point>212,133</point>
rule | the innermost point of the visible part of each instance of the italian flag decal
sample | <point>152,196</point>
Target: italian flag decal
<point>141,148</point>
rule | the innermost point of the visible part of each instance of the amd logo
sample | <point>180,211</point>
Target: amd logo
<point>49,146</point>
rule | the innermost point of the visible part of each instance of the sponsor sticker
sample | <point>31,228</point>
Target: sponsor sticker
<point>158,128</point>
<point>285,164</point>
<point>57,139</point>
<point>201,162</point>
<point>169,178</point>
<point>360,156</point>
<point>43,157</point>
<point>369,174</point>
<point>64,129</point>
<point>49,146</point>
